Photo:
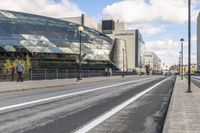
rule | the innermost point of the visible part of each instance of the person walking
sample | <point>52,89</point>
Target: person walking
<point>20,70</point>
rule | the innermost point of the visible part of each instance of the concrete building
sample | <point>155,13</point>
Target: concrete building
<point>119,56</point>
<point>134,42</point>
<point>83,20</point>
<point>198,43</point>
<point>152,63</point>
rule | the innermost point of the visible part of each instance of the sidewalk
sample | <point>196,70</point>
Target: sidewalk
<point>184,111</point>
<point>39,84</point>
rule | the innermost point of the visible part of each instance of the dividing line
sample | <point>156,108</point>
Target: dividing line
<point>67,95</point>
<point>102,118</point>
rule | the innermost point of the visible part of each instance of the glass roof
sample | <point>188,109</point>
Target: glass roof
<point>49,35</point>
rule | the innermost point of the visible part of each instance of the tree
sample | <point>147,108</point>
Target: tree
<point>27,65</point>
<point>7,66</point>
<point>10,65</point>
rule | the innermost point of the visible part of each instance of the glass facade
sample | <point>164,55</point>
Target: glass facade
<point>21,32</point>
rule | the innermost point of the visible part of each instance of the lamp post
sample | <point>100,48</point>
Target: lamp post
<point>140,65</point>
<point>149,66</point>
<point>123,63</point>
<point>80,29</point>
<point>179,66</point>
<point>189,46</point>
<point>181,40</point>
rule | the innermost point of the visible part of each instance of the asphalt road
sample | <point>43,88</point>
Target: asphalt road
<point>118,106</point>
<point>196,80</point>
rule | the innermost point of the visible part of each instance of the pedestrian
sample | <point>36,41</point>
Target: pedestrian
<point>20,70</point>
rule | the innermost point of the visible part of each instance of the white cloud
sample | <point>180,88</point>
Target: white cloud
<point>140,11</point>
<point>166,45</point>
<point>42,7</point>
<point>194,39</point>
<point>146,29</point>
<point>168,51</point>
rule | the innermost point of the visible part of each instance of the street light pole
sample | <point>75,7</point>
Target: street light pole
<point>123,63</point>
<point>189,46</point>
<point>179,64</point>
<point>149,66</point>
<point>80,29</point>
<point>182,40</point>
<point>140,65</point>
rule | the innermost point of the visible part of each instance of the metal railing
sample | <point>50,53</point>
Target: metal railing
<point>48,74</point>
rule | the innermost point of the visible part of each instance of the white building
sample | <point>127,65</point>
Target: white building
<point>152,62</point>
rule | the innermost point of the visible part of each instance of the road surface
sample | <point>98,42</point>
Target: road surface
<point>196,80</point>
<point>131,105</point>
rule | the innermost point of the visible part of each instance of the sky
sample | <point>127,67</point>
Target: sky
<point>162,22</point>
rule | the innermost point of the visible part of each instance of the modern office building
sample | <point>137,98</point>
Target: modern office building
<point>52,42</point>
<point>134,42</point>
<point>152,63</point>
<point>198,42</point>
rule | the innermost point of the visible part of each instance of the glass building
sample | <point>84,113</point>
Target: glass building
<point>49,40</point>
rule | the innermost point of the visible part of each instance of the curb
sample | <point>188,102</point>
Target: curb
<point>166,122</point>
<point>53,86</point>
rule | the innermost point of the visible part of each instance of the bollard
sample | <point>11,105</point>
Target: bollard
<point>56,73</point>
<point>13,74</point>
<point>45,73</point>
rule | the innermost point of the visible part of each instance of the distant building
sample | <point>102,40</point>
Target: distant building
<point>198,42</point>
<point>135,44</point>
<point>193,68</point>
<point>152,63</point>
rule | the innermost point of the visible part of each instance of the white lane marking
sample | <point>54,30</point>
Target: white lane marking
<point>102,118</point>
<point>67,95</point>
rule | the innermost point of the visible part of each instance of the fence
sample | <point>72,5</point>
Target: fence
<point>47,74</point>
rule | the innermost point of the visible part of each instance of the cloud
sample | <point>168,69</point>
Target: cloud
<point>166,45</point>
<point>50,8</point>
<point>165,49</point>
<point>146,29</point>
<point>143,11</point>
<point>168,50</point>
<point>194,39</point>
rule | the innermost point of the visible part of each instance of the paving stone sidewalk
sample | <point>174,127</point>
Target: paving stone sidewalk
<point>184,111</point>
<point>39,84</point>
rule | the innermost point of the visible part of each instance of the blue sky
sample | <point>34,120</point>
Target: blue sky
<point>161,22</point>
<point>93,7</point>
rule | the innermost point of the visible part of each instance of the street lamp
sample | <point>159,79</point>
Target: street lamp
<point>189,46</point>
<point>80,29</point>
<point>181,40</point>
<point>140,64</point>
<point>123,63</point>
<point>179,64</point>
<point>149,66</point>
